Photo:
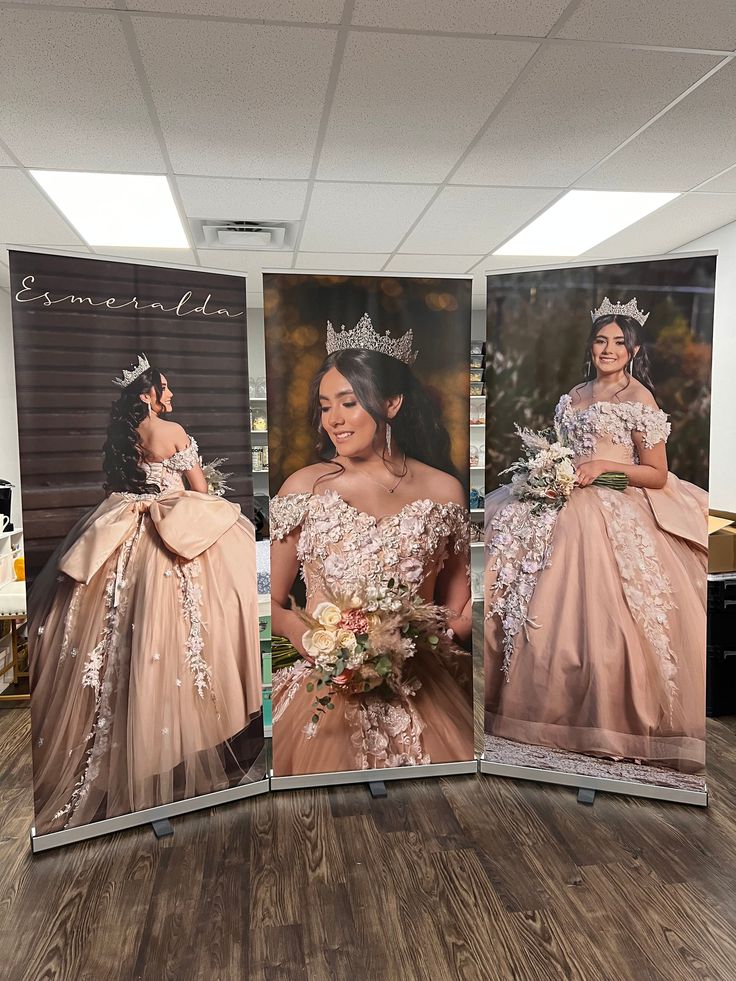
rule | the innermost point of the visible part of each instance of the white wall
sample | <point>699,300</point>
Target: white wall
<point>9,462</point>
<point>723,410</point>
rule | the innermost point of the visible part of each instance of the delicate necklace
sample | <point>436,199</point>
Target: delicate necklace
<point>390,490</point>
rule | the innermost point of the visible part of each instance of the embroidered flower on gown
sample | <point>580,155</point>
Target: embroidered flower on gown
<point>145,659</point>
<point>340,549</point>
<point>595,614</point>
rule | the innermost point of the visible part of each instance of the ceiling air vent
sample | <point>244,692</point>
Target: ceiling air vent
<point>275,236</point>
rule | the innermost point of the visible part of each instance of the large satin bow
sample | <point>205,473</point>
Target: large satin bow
<point>187,522</point>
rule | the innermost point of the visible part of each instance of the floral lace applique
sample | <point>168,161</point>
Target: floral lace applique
<point>286,513</point>
<point>166,474</point>
<point>191,603</point>
<point>647,589</point>
<point>520,548</point>
<point>385,733</point>
<point>341,547</point>
<point>583,428</point>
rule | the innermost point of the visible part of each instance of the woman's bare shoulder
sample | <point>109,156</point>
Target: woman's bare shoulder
<point>637,392</point>
<point>436,485</point>
<point>303,481</point>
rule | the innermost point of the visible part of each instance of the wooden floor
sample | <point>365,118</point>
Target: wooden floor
<point>464,877</point>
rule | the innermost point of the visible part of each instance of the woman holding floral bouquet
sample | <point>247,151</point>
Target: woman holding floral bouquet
<point>595,603</point>
<point>379,530</point>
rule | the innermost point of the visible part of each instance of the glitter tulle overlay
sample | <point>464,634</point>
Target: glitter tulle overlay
<point>145,660</point>
<point>430,719</point>
<point>595,614</point>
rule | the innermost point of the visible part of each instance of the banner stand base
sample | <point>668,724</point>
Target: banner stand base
<point>151,815</point>
<point>335,778</point>
<point>698,798</point>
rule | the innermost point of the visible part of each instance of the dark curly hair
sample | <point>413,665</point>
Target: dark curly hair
<point>638,365</point>
<point>417,427</point>
<point>122,451</point>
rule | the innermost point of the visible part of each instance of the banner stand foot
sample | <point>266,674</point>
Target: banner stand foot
<point>163,828</point>
<point>586,795</point>
<point>377,788</point>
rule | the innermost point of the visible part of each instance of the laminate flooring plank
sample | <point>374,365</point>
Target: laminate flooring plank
<point>312,836</point>
<point>112,949</point>
<point>164,953</point>
<point>277,868</point>
<point>277,954</point>
<point>219,937</point>
<point>329,934</point>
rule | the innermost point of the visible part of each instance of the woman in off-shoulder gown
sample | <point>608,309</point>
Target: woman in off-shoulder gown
<point>595,614</point>
<point>383,504</point>
<point>144,647</point>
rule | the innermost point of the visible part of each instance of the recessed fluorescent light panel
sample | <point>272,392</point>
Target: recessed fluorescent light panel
<point>133,210</point>
<point>582,219</point>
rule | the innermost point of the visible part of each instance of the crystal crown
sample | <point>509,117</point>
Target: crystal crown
<point>365,337</point>
<point>630,309</point>
<point>135,372</point>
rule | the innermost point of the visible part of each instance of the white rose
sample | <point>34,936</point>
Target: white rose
<point>328,614</point>
<point>346,640</point>
<point>318,642</point>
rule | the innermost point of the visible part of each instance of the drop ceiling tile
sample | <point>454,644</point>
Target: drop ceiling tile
<point>726,182</point>
<point>342,261</point>
<point>475,219</point>
<point>245,262</point>
<point>575,105</point>
<point>302,11</point>
<point>5,159</point>
<point>237,100</point>
<point>684,219</point>
<point>26,217</point>
<point>679,23</point>
<point>533,18</point>
<point>404,109</point>
<point>449,264</point>
<point>70,96</point>
<point>222,198</point>
<point>179,257</point>
<point>362,217</point>
<point>690,143</point>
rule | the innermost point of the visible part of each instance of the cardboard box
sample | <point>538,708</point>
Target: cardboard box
<point>721,542</point>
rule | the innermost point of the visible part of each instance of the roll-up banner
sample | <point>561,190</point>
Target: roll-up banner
<point>598,414</point>
<point>368,388</point>
<point>144,656</point>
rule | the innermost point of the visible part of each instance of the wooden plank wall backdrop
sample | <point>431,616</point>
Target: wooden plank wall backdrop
<point>66,356</point>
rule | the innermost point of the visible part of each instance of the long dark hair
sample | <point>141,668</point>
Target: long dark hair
<point>638,366</point>
<point>123,453</point>
<point>417,427</point>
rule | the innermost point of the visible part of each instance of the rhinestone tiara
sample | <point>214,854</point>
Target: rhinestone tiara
<point>130,376</point>
<point>630,309</point>
<point>363,336</point>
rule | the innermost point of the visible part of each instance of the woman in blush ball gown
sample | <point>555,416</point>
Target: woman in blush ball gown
<point>383,504</point>
<point>595,613</point>
<point>144,659</point>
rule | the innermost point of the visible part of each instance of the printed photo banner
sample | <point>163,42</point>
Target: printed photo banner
<point>368,389</point>
<point>598,409</point>
<point>133,414</point>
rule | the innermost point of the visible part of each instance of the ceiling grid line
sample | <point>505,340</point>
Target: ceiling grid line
<point>335,68</point>
<point>608,156</point>
<point>505,98</point>
<point>136,58</point>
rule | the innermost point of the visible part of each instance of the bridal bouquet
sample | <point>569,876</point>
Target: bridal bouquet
<point>363,640</point>
<point>545,474</point>
<point>217,481</point>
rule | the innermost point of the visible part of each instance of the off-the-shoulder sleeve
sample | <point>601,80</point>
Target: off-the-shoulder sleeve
<point>286,513</point>
<point>458,519</point>
<point>185,459</point>
<point>653,424</point>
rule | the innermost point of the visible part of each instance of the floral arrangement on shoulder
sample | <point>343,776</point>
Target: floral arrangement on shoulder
<point>545,475</point>
<point>217,481</point>
<point>361,641</point>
